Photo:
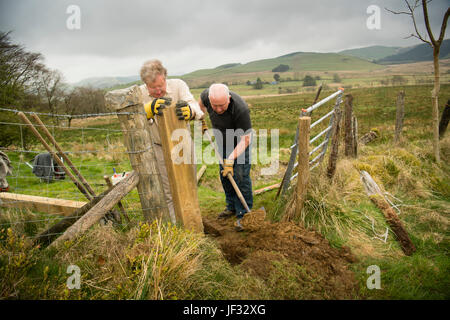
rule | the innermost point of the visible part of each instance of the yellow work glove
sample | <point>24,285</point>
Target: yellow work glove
<point>155,106</point>
<point>183,110</point>
<point>227,167</point>
<point>204,126</point>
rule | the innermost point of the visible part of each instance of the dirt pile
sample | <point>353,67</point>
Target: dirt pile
<point>284,251</point>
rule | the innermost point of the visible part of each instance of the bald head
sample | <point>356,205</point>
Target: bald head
<point>218,90</point>
<point>219,97</point>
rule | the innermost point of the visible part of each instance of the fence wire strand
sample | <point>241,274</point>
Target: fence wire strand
<point>95,146</point>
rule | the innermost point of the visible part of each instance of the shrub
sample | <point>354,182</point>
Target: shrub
<point>258,85</point>
<point>281,68</point>
<point>336,78</point>
<point>309,81</point>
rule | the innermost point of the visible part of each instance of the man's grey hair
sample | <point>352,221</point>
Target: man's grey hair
<point>218,89</point>
<point>152,68</point>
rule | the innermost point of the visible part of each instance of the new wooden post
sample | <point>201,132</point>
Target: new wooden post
<point>128,103</point>
<point>178,160</point>
<point>304,124</point>
<point>348,137</point>
<point>400,115</point>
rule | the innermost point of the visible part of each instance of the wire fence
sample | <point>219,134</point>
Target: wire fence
<point>323,131</point>
<point>94,145</point>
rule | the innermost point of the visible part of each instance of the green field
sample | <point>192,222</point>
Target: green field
<point>166,262</point>
<point>299,61</point>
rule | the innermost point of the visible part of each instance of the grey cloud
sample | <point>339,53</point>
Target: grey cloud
<point>116,29</point>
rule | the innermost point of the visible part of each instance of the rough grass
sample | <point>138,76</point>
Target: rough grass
<point>150,261</point>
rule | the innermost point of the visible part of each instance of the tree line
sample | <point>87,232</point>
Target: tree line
<point>27,84</point>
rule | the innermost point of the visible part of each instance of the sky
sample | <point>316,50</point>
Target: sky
<point>99,38</point>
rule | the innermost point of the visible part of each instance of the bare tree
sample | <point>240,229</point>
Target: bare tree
<point>94,101</point>
<point>83,100</point>
<point>436,45</point>
<point>69,104</point>
<point>18,68</point>
<point>50,85</point>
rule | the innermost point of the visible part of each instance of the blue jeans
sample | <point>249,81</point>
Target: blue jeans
<point>242,178</point>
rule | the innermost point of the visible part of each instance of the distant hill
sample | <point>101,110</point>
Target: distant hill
<point>360,59</point>
<point>297,61</point>
<point>372,53</point>
<point>105,82</point>
<point>421,52</point>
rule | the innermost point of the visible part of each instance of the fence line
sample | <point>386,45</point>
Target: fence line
<point>78,116</point>
<point>112,153</point>
<point>323,145</point>
<point>97,151</point>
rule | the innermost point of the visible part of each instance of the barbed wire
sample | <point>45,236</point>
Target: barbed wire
<point>78,116</point>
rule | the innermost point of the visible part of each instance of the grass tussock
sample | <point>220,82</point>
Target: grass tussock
<point>151,261</point>
<point>407,174</point>
<point>341,209</point>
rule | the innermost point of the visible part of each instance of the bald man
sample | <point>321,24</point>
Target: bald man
<point>230,119</point>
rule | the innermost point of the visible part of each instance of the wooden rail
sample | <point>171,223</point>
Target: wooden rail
<point>39,204</point>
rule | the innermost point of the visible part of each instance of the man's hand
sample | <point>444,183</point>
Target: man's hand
<point>227,167</point>
<point>204,126</point>
<point>183,110</point>
<point>156,106</point>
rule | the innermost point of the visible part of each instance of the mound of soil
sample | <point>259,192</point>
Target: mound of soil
<point>268,249</point>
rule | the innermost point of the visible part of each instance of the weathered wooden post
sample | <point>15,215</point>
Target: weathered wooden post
<point>332,160</point>
<point>119,204</point>
<point>304,124</point>
<point>400,115</point>
<point>128,103</point>
<point>348,137</point>
<point>376,196</point>
<point>355,136</point>
<point>178,159</point>
<point>79,185</point>
<point>100,209</point>
<point>444,120</point>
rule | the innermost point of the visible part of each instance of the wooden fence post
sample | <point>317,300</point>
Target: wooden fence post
<point>348,137</point>
<point>400,115</point>
<point>128,103</point>
<point>45,238</point>
<point>376,196</point>
<point>100,209</point>
<point>304,124</point>
<point>54,155</point>
<point>355,136</point>
<point>178,159</point>
<point>334,143</point>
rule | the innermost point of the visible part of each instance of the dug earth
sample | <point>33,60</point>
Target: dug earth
<point>265,248</point>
